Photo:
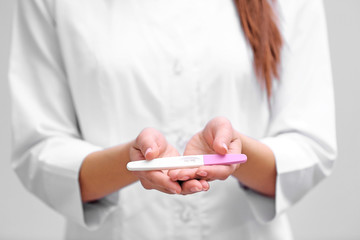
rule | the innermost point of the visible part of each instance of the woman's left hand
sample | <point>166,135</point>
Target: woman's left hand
<point>217,137</point>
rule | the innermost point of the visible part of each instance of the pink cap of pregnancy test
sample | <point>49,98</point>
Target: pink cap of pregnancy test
<point>227,159</point>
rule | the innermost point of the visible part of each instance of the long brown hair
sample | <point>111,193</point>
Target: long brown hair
<point>259,23</point>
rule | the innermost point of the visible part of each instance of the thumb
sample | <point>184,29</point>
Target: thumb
<point>149,142</point>
<point>221,133</point>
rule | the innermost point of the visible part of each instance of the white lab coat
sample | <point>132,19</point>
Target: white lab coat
<point>89,74</point>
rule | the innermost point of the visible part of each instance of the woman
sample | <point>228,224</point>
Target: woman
<point>96,84</point>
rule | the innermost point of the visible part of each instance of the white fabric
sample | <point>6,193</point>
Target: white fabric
<point>89,74</point>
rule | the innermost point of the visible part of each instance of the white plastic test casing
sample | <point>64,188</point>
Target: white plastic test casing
<point>186,162</point>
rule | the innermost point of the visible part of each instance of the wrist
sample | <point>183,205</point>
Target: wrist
<point>104,172</point>
<point>259,172</point>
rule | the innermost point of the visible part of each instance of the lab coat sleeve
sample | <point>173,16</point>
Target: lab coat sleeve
<point>48,149</point>
<point>301,132</point>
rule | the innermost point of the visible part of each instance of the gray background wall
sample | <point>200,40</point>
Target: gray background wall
<point>331,211</point>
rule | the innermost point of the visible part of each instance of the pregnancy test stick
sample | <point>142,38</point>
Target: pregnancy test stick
<point>186,162</point>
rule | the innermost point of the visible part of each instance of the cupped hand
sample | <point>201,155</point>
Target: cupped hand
<point>151,144</point>
<point>218,137</point>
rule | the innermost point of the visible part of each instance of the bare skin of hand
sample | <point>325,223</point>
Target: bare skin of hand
<point>217,137</point>
<point>152,144</point>
<point>258,173</point>
<point>104,172</point>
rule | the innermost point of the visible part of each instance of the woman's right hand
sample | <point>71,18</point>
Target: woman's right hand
<point>151,144</point>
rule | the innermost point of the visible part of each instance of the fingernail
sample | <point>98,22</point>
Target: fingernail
<point>194,189</point>
<point>173,191</point>
<point>149,150</point>
<point>184,178</point>
<point>225,146</point>
<point>205,187</point>
<point>202,173</point>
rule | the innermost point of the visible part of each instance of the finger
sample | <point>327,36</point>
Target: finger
<point>219,134</point>
<point>173,173</point>
<point>205,184</point>
<point>160,180</point>
<point>149,141</point>
<point>191,186</point>
<point>149,186</point>
<point>223,134</point>
<point>182,174</point>
<point>218,172</point>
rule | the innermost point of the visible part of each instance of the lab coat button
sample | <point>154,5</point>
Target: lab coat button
<point>186,216</point>
<point>177,68</point>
